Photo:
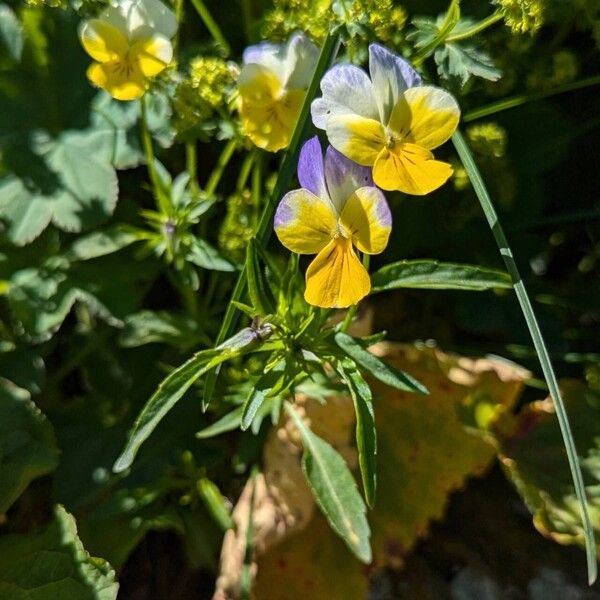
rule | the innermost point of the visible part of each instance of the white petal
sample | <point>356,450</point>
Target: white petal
<point>391,75</point>
<point>142,17</point>
<point>300,62</point>
<point>271,56</point>
<point>346,90</point>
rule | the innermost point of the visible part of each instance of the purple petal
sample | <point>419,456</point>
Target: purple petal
<point>310,168</point>
<point>344,177</point>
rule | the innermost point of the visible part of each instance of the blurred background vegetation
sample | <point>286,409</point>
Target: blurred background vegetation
<point>88,330</point>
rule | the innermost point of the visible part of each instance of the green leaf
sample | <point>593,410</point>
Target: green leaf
<point>53,564</point>
<point>366,433</point>
<point>101,243</point>
<point>533,458</point>
<point>229,422</point>
<point>461,61</point>
<point>436,275</point>
<point>376,367</point>
<point>260,391</point>
<point>67,183</point>
<point>147,327</point>
<point>11,32</point>
<point>177,383</point>
<point>538,341</point>
<point>334,489</point>
<point>204,255</point>
<point>215,503</point>
<point>27,444</point>
<point>258,290</point>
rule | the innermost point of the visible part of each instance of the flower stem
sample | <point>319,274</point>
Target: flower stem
<point>476,28</point>
<point>212,26</point>
<point>222,162</point>
<point>190,163</point>
<point>506,103</point>
<point>161,195</point>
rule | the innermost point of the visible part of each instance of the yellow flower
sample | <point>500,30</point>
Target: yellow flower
<point>272,86</point>
<point>336,209</point>
<point>130,42</point>
<point>389,121</point>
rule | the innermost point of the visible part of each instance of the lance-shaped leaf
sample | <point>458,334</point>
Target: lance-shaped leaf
<point>436,275</point>
<point>264,387</point>
<point>258,289</point>
<point>101,243</point>
<point>376,367</point>
<point>366,434</point>
<point>334,490</point>
<point>228,422</point>
<point>178,382</point>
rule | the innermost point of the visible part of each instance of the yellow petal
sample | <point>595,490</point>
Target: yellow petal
<point>410,169</point>
<point>102,41</point>
<point>258,86</point>
<point>357,138</point>
<point>305,223</point>
<point>426,116</point>
<point>152,54</point>
<point>336,278</point>
<point>367,217</point>
<point>119,80</point>
<point>270,125</point>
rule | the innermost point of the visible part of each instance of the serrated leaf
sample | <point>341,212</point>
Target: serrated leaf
<point>147,327</point>
<point>11,32</point>
<point>376,367</point>
<point>534,459</point>
<point>366,434</point>
<point>71,186</point>
<point>101,243</point>
<point>334,489</point>
<point>436,275</point>
<point>204,255</point>
<point>53,564</point>
<point>27,444</point>
<point>460,61</point>
<point>174,386</point>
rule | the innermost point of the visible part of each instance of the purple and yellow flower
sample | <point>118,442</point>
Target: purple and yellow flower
<point>388,121</point>
<point>337,209</point>
<point>130,42</point>
<point>272,87</point>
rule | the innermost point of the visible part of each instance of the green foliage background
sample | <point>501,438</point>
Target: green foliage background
<point>104,290</point>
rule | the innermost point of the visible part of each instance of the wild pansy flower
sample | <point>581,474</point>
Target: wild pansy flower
<point>130,42</point>
<point>272,86</point>
<point>336,209</point>
<point>389,121</point>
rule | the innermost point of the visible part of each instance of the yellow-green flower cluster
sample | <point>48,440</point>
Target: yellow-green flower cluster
<point>380,18</point>
<point>238,225</point>
<point>488,139</point>
<point>203,95</point>
<point>49,3</point>
<point>522,16</point>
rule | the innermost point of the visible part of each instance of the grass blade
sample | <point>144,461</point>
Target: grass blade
<point>538,342</point>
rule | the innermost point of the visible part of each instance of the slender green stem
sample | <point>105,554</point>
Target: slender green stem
<point>190,163</point>
<point>245,170</point>
<point>354,308</point>
<point>447,25</point>
<point>288,165</point>
<point>476,28</point>
<point>160,194</point>
<point>538,342</point>
<point>212,26</point>
<point>507,103</point>
<point>222,162</point>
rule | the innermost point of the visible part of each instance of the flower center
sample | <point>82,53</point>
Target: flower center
<point>391,139</point>
<point>340,232</point>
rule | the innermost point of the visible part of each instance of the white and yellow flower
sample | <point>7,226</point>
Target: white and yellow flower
<point>388,121</point>
<point>337,209</point>
<point>130,42</point>
<point>272,87</point>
